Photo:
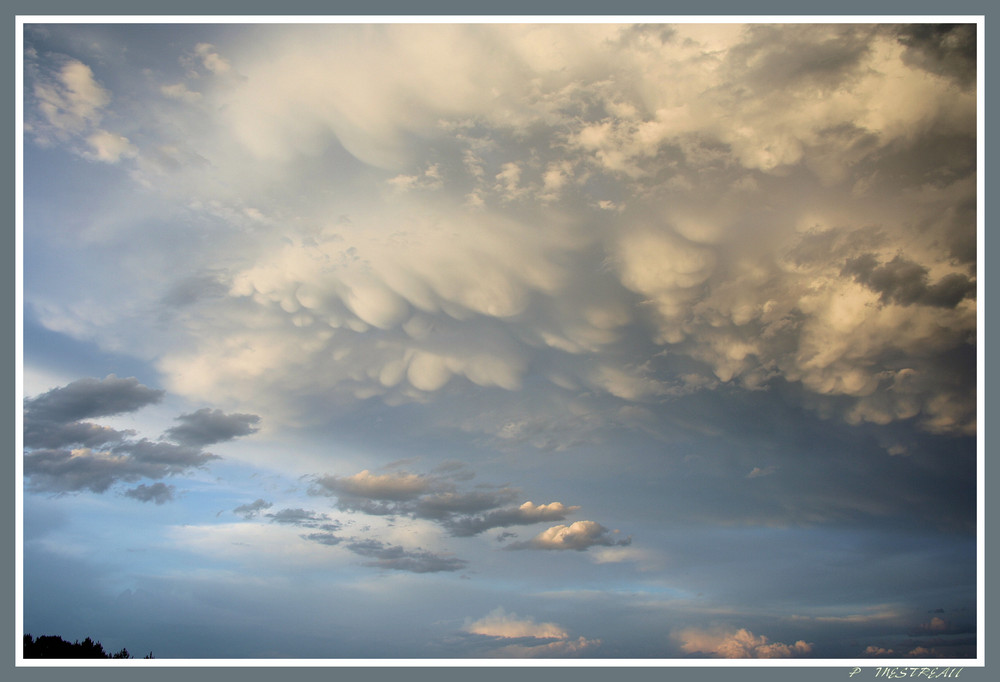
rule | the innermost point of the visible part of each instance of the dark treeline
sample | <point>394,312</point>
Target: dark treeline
<point>52,646</point>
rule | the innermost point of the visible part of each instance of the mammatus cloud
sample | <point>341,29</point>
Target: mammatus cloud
<point>531,639</point>
<point>65,454</point>
<point>738,644</point>
<point>579,535</point>
<point>834,291</point>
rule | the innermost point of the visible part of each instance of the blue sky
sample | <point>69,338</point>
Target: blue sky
<point>502,341</point>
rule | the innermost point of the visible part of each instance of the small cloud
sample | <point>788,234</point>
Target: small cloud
<point>207,426</point>
<point>757,472</point>
<point>88,398</point>
<point>248,511</point>
<point>524,638</point>
<point>396,558</point>
<point>644,559</point>
<point>109,147</point>
<point>72,100</point>
<point>499,623</point>
<point>181,92</point>
<point>526,514</point>
<point>158,493</point>
<point>211,59</point>
<point>366,485</point>
<point>738,644</point>
<point>580,535</point>
<point>878,651</point>
<point>298,517</point>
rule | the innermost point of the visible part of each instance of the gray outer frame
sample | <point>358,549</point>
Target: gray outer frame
<point>445,8</point>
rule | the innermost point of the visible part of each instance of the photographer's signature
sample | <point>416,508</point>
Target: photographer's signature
<point>897,673</point>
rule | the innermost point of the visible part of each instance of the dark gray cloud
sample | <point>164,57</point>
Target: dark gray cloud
<point>325,538</point>
<point>87,398</point>
<point>43,434</point>
<point>158,493</point>
<point>445,505</point>
<point>193,289</point>
<point>773,57</point>
<point>905,282</point>
<point>64,454</point>
<point>526,514</point>
<point>437,499</point>
<point>61,470</point>
<point>300,517</point>
<point>944,49</point>
<point>208,426</point>
<point>396,558</point>
<point>251,509</point>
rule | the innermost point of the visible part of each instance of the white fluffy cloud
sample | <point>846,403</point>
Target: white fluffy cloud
<point>579,535</point>
<point>534,640</point>
<point>499,623</point>
<point>738,644</point>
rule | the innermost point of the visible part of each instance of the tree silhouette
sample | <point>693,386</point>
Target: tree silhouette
<point>52,646</point>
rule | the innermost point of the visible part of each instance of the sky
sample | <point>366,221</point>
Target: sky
<point>492,341</point>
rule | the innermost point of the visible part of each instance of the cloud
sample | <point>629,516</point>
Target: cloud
<point>906,283</point>
<point>532,640</point>
<point>392,487</point>
<point>302,517</point>
<point>738,644</point>
<point>208,426</point>
<point>180,91</point>
<point>499,623</point>
<point>211,59</point>
<point>449,506</point>
<point>97,470</point>
<point>71,99</point>
<point>580,535</point>
<point>397,558</point>
<point>526,514</point>
<point>252,509</point>
<point>64,454</point>
<point>86,398</point>
<point>757,472</point>
<point>436,498</point>
<point>873,650</point>
<point>945,49</point>
<point>109,147</point>
<point>428,295</point>
<point>158,493</point>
